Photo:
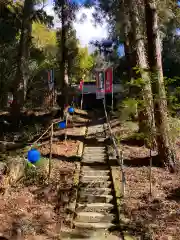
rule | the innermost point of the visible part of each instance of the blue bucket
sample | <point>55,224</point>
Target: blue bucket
<point>62,124</point>
<point>33,156</point>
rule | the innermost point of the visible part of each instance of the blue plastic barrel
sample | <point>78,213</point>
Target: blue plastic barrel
<point>33,156</point>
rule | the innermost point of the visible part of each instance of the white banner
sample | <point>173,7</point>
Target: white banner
<point>100,85</point>
<point>51,79</point>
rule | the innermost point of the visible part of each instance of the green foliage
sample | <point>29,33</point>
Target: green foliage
<point>171,85</point>
<point>83,64</point>
<point>37,174</point>
<point>44,39</point>
<point>175,128</point>
<point>10,21</point>
<point>127,109</point>
<point>11,18</point>
<point>78,61</point>
<point>173,94</point>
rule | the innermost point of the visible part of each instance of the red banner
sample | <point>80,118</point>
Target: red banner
<point>81,85</point>
<point>108,80</point>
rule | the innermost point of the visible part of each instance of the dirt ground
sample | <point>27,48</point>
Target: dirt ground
<point>61,148</point>
<point>155,217</point>
<point>33,210</point>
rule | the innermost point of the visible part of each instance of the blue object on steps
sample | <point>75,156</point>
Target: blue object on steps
<point>33,156</point>
<point>62,124</point>
<point>71,110</point>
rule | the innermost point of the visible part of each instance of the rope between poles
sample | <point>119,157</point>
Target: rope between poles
<point>119,155</point>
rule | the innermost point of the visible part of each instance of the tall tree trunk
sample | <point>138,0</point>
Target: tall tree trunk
<point>21,77</point>
<point>127,44</point>
<point>128,58</point>
<point>146,114</point>
<point>165,148</point>
<point>63,53</point>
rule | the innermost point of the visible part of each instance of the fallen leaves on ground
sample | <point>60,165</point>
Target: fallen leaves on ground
<point>61,148</point>
<point>38,212</point>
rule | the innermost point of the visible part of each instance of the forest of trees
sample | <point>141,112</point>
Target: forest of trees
<point>100,172</point>
<point>30,46</point>
<point>147,29</point>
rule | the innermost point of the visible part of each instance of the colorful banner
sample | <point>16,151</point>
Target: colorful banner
<point>108,80</point>
<point>51,79</point>
<point>81,85</point>
<point>104,82</point>
<point>100,78</point>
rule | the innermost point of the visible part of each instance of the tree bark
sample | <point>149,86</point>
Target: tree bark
<point>165,148</point>
<point>146,114</point>
<point>127,40</point>
<point>63,53</point>
<point>21,77</point>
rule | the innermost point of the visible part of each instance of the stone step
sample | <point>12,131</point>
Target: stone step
<point>93,225</point>
<point>106,237</point>
<point>94,207</point>
<point>95,172</point>
<point>96,191</point>
<point>89,234</point>
<point>93,152</point>
<point>90,179</point>
<point>97,184</point>
<point>94,217</point>
<point>76,234</point>
<point>94,158</point>
<point>92,147</point>
<point>94,161</point>
<point>96,168</point>
<point>101,139</point>
<point>95,149</point>
<point>95,198</point>
<point>91,155</point>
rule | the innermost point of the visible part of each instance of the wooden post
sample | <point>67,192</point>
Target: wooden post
<point>150,175</point>
<point>50,154</point>
<point>82,96</point>
<point>66,129</point>
<point>112,94</point>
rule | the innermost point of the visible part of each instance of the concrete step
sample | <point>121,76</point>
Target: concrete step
<point>95,207</point>
<point>89,234</point>
<point>97,184</point>
<point>94,161</point>
<point>93,225</point>
<point>95,172</point>
<point>102,139</point>
<point>93,152</point>
<point>96,191</point>
<point>95,158</point>
<point>95,149</point>
<point>96,168</point>
<point>95,198</point>
<point>94,178</point>
<point>76,234</point>
<point>91,155</point>
<point>94,217</point>
<point>106,237</point>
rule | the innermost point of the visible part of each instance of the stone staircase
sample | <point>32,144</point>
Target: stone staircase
<point>95,208</point>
